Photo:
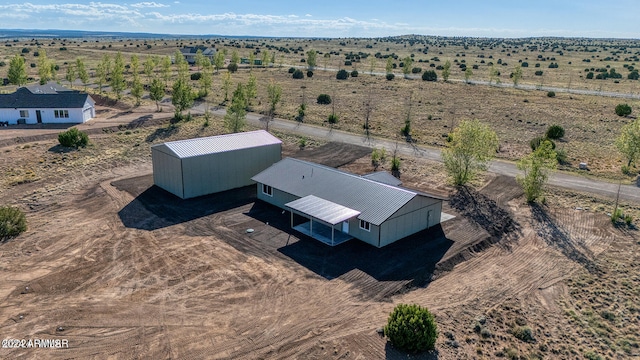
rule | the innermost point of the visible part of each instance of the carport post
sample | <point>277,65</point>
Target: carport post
<point>311,226</point>
<point>332,231</point>
<point>292,219</point>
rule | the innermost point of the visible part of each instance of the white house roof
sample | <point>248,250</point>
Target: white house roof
<point>375,201</point>
<point>217,144</point>
<point>322,209</point>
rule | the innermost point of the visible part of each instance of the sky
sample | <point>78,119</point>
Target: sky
<point>330,18</point>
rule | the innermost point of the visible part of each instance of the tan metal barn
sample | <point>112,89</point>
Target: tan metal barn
<point>196,167</point>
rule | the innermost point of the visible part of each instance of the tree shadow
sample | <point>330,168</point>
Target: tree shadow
<point>61,149</point>
<point>162,133</point>
<point>484,211</point>
<point>554,235</point>
<point>392,353</point>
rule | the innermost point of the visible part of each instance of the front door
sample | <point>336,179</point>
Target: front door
<point>39,116</point>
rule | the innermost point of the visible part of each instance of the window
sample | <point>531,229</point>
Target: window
<point>24,113</point>
<point>267,190</point>
<point>61,114</point>
<point>365,225</point>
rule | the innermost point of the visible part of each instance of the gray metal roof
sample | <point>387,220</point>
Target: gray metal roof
<point>45,96</point>
<point>376,201</point>
<point>383,177</point>
<point>322,209</point>
<point>217,144</point>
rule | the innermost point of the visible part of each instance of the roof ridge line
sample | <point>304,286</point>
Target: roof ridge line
<point>352,175</point>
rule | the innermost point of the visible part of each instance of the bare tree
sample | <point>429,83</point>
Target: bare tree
<point>368,109</point>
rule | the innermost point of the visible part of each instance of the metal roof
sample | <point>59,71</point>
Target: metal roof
<point>376,201</point>
<point>217,144</point>
<point>322,209</point>
<point>383,177</point>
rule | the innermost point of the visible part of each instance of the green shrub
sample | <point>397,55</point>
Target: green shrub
<point>551,94</point>
<point>555,132</point>
<point>298,74</point>
<point>538,72</point>
<point>561,156</point>
<point>378,156</point>
<point>390,77</point>
<point>590,355</point>
<point>523,333</point>
<point>411,328</point>
<point>623,110</point>
<point>309,73</point>
<point>342,75</point>
<point>395,164</point>
<point>292,70</point>
<point>232,67</point>
<point>536,141</point>
<point>354,73</point>
<point>196,76</point>
<point>12,222</point>
<point>332,119</point>
<point>430,75</point>
<point>324,99</point>
<point>73,138</point>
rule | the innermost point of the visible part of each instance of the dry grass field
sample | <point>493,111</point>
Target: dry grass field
<point>517,115</point>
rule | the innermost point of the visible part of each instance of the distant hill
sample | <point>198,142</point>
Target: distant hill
<point>75,34</point>
<point>8,34</point>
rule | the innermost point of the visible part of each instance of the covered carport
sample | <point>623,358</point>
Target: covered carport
<point>323,216</point>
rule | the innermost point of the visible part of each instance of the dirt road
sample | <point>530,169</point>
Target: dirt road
<point>560,179</point>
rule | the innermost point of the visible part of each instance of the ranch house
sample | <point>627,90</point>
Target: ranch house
<point>334,206</point>
<point>50,103</point>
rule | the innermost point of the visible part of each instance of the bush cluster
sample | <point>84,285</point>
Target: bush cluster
<point>12,222</point>
<point>623,110</point>
<point>342,75</point>
<point>298,74</point>
<point>555,132</point>
<point>324,99</point>
<point>73,138</point>
<point>411,328</point>
<point>429,75</point>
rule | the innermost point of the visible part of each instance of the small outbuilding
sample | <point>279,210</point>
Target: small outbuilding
<point>335,206</point>
<point>196,167</point>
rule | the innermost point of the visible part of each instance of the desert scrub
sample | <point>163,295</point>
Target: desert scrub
<point>12,222</point>
<point>411,328</point>
<point>73,138</point>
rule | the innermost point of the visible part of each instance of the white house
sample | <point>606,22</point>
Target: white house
<point>189,53</point>
<point>50,103</point>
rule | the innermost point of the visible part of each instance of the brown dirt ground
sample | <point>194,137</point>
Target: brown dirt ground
<point>124,270</point>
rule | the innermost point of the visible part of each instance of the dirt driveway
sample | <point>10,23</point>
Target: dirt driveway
<point>122,269</point>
